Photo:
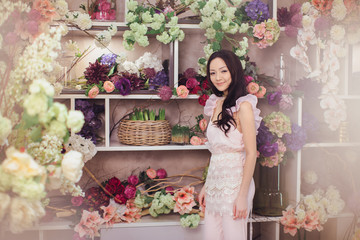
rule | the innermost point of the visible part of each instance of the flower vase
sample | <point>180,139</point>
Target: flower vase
<point>102,10</point>
<point>269,200</point>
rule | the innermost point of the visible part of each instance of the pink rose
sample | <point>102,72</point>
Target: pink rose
<point>203,124</point>
<point>191,83</point>
<point>182,91</point>
<point>248,79</point>
<point>268,35</point>
<point>259,30</point>
<point>109,86</point>
<point>261,93</point>
<point>104,6</point>
<point>130,191</point>
<point>161,173</point>
<point>252,88</point>
<point>133,180</point>
<point>94,91</point>
<point>77,201</point>
<point>169,189</point>
<point>195,140</point>
<point>202,99</point>
<point>151,173</point>
<point>120,198</point>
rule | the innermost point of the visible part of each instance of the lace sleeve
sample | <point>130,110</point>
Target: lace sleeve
<point>252,99</point>
<point>210,105</point>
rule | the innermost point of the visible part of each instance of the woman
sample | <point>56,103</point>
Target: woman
<point>234,119</point>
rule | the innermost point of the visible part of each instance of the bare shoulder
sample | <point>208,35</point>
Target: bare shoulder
<point>245,108</point>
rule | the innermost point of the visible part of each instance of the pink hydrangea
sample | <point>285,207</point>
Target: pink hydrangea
<point>165,93</point>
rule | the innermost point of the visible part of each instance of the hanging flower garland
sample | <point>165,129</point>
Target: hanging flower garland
<point>329,26</point>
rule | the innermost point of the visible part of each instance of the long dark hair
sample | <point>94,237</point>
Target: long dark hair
<point>237,87</point>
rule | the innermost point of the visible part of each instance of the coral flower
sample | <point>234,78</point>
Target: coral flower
<point>94,91</point>
<point>203,124</point>
<point>261,93</point>
<point>195,140</point>
<point>184,199</point>
<point>182,91</point>
<point>151,173</point>
<point>109,86</point>
<point>252,88</point>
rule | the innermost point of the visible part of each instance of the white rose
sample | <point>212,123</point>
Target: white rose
<point>61,7</point>
<point>83,21</point>
<point>72,165</point>
<point>337,33</point>
<point>339,11</point>
<point>75,121</point>
<point>305,7</point>
<point>5,129</point>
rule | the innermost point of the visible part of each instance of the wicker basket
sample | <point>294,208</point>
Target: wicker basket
<point>144,132</point>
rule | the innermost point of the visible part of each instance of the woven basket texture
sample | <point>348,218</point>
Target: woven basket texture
<point>144,132</point>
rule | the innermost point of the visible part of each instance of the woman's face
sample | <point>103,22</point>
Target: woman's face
<point>220,75</point>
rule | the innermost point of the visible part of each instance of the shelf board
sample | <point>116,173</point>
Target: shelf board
<point>116,146</point>
<point>118,96</point>
<point>332,144</point>
<point>350,97</point>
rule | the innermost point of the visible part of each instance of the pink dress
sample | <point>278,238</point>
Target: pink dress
<point>227,160</point>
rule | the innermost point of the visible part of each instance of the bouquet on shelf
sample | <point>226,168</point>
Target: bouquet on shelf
<point>151,192</point>
<point>312,211</point>
<point>277,138</point>
<point>113,73</point>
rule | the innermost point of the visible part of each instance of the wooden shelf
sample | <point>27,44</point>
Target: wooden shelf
<point>118,96</point>
<point>116,146</point>
<point>332,144</point>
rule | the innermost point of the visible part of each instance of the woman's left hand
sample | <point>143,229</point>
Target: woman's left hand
<point>240,208</point>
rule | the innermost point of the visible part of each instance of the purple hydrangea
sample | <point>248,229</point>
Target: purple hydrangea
<point>296,20</point>
<point>268,149</point>
<point>296,139</point>
<point>160,79</point>
<point>123,85</point>
<point>108,59</point>
<point>295,8</point>
<point>257,11</point>
<point>274,98</point>
<point>264,135</point>
<point>291,31</point>
<point>322,23</point>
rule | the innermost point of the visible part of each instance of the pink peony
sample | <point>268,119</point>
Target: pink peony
<point>161,173</point>
<point>203,124</point>
<point>252,88</point>
<point>191,83</point>
<point>133,180</point>
<point>261,93</point>
<point>248,79</point>
<point>165,93</point>
<point>151,173</point>
<point>109,86</point>
<point>130,191</point>
<point>77,201</point>
<point>132,213</point>
<point>89,224</point>
<point>184,199</point>
<point>195,140</point>
<point>94,91</point>
<point>259,30</point>
<point>182,91</point>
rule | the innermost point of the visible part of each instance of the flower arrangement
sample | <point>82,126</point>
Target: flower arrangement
<point>113,73</point>
<point>102,9</point>
<point>290,19</point>
<point>254,87</point>
<point>276,138</point>
<point>328,26</point>
<point>150,192</point>
<point>312,211</point>
<point>282,96</point>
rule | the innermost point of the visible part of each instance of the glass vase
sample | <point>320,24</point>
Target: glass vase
<point>269,200</point>
<point>102,10</point>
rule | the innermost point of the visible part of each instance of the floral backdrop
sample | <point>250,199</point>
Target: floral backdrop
<point>44,146</point>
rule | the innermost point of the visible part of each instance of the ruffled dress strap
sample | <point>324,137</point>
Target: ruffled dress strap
<point>210,105</point>
<point>252,99</point>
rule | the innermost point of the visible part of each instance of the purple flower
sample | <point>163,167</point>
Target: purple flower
<point>322,23</point>
<point>108,59</point>
<point>274,98</point>
<point>264,135</point>
<point>133,180</point>
<point>190,73</point>
<point>165,93</point>
<point>123,85</point>
<point>161,173</point>
<point>283,17</point>
<point>296,20</point>
<point>257,11</point>
<point>160,79</point>
<point>296,139</point>
<point>295,8</point>
<point>291,31</point>
<point>268,149</point>
<point>130,191</point>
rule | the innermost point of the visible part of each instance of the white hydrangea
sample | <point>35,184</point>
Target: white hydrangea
<point>337,33</point>
<point>121,58</point>
<point>149,60</point>
<point>35,104</point>
<point>146,17</point>
<point>210,33</point>
<point>174,31</point>
<point>310,177</point>
<point>206,22</point>
<point>57,128</point>
<point>339,11</point>
<point>75,120</point>
<point>159,18</point>
<point>164,38</point>
<point>130,17</point>
<point>103,39</point>
<point>41,86</point>
<point>230,12</point>
<point>243,27</point>
<point>208,50</point>
<point>217,15</point>
<point>61,7</point>
<point>128,67</point>
<point>156,25</point>
<point>83,21</point>
<point>181,35</point>
<point>112,30</point>
<point>131,5</point>
<point>72,165</point>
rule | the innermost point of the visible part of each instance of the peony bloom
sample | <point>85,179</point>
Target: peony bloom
<point>203,124</point>
<point>161,173</point>
<point>109,86</point>
<point>151,173</point>
<point>191,83</point>
<point>184,199</point>
<point>94,91</point>
<point>133,180</point>
<point>252,88</point>
<point>130,191</point>
<point>77,201</point>
<point>182,91</point>
<point>202,99</point>
<point>261,93</point>
<point>195,140</point>
<point>248,79</point>
<point>72,165</point>
<point>165,93</point>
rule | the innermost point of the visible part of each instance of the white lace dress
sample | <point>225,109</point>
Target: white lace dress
<point>227,160</point>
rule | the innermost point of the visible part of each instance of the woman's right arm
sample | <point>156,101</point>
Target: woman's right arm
<point>202,201</point>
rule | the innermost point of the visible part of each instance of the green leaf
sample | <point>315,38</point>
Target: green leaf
<point>216,46</point>
<point>67,136</point>
<point>111,70</point>
<point>202,61</point>
<point>219,36</point>
<point>217,25</point>
<point>170,14</point>
<point>201,4</point>
<point>153,31</point>
<point>36,134</point>
<point>29,121</point>
<point>231,2</point>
